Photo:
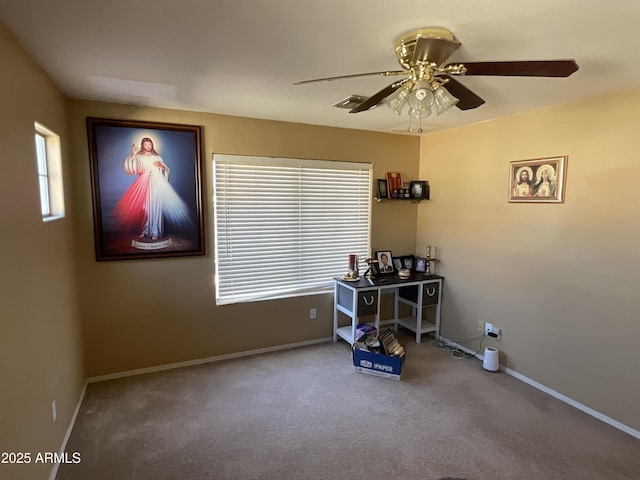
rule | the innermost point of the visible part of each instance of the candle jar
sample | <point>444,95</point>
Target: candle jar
<point>353,265</point>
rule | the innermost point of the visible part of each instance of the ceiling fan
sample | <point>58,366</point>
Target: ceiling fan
<point>422,54</point>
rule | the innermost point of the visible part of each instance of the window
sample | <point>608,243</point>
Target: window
<point>49,173</point>
<point>286,227</point>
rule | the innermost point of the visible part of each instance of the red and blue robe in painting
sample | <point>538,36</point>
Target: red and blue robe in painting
<point>150,200</point>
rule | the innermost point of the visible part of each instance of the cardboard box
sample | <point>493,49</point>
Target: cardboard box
<point>376,364</point>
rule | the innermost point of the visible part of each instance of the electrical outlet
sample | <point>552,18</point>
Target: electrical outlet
<point>54,413</point>
<point>492,331</point>
<point>312,313</point>
<point>480,326</point>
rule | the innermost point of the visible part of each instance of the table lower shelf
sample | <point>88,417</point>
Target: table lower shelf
<point>409,323</point>
<point>345,332</point>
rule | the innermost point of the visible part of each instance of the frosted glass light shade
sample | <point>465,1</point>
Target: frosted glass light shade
<point>444,100</point>
<point>419,114</point>
<point>421,99</point>
<point>398,100</point>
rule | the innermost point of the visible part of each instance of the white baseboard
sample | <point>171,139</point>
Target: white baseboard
<point>201,361</point>
<point>54,469</point>
<point>558,395</point>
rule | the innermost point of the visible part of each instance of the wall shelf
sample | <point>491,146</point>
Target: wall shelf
<point>412,200</point>
<point>416,190</point>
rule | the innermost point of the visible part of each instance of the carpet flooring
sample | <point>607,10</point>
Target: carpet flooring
<point>304,413</point>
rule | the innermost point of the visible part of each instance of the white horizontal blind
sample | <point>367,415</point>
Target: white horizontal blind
<point>286,227</point>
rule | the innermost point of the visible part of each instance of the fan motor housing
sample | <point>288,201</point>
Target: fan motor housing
<point>431,45</point>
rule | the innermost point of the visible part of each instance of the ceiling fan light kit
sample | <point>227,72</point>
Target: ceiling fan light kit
<point>422,53</point>
<point>420,101</point>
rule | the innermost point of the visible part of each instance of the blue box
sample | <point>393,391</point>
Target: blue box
<point>377,364</point>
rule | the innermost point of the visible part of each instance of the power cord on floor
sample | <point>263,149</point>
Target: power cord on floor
<point>457,352</point>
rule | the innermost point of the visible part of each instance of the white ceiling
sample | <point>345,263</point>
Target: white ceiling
<point>241,57</point>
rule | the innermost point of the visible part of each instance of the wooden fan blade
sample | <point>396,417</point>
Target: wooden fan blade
<point>533,68</point>
<point>356,75</point>
<point>376,98</point>
<point>468,99</point>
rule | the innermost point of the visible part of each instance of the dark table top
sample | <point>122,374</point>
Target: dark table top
<point>387,279</point>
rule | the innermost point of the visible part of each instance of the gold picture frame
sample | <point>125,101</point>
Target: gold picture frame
<point>540,180</point>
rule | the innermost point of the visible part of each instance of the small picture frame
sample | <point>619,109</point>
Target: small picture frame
<point>540,180</point>
<point>419,190</point>
<point>383,188</point>
<point>421,264</point>
<point>387,341</point>
<point>397,262</point>
<point>394,181</point>
<point>385,262</point>
<point>408,262</point>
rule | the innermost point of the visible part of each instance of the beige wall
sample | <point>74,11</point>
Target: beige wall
<point>40,335</point>
<point>561,280</point>
<point>141,313</point>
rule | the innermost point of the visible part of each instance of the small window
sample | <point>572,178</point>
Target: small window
<point>49,173</point>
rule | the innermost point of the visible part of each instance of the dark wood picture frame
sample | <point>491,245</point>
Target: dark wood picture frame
<point>147,189</point>
<point>397,263</point>
<point>383,188</point>
<point>419,190</point>
<point>408,262</point>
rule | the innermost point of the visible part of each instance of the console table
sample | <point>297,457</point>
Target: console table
<point>362,298</point>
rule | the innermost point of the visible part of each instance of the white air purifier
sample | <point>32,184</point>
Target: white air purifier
<point>491,360</point>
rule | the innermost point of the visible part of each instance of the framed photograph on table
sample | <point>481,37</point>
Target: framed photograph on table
<point>385,262</point>
<point>421,264</point>
<point>408,262</point>
<point>146,185</point>
<point>537,181</point>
